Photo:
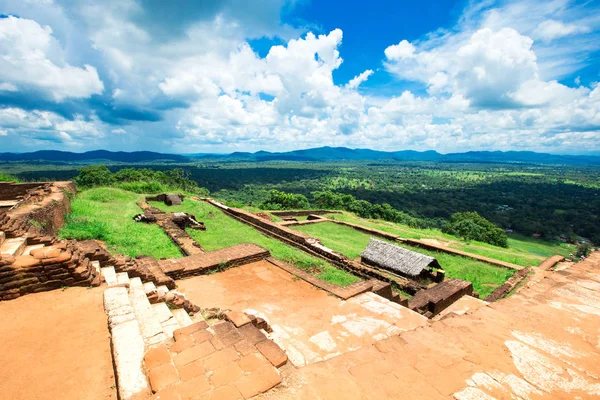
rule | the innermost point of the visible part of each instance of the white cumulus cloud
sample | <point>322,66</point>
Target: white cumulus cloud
<point>32,57</point>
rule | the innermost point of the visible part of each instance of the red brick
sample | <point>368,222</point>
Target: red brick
<point>168,393</point>
<point>183,343</point>
<point>238,318</point>
<point>162,376</point>
<point>157,356</point>
<point>226,374</point>
<point>216,342</point>
<point>220,358</point>
<point>226,393</point>
<point>223,327</point>
<point>230,338</point>
<point>258,382</point>
<point>193,388</point>
<point>202,336</point>
<point>272,352</point>
<point>193,353</point>
<point>252,333</point>
<point>191,370</point>
<point>252,362</point>
<point>188,330</point>
<point>244,347</point>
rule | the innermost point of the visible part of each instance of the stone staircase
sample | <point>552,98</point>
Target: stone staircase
<point>136,325</point>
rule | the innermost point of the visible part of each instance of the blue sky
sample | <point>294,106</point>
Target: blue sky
<point>242,75</point>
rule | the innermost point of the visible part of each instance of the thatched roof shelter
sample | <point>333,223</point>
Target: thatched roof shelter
<point>397,259</point>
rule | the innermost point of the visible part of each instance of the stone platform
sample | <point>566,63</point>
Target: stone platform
<point>543,342</point>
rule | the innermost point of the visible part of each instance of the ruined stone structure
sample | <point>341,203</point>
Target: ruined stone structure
<point>168,199</point>
<point>31,258</point>
<point>263,330</point>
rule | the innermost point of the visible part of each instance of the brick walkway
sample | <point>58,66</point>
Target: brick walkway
<point>541,343</point>
<point>219,362</point>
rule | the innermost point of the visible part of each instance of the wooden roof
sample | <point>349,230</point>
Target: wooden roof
<point>396,258</point>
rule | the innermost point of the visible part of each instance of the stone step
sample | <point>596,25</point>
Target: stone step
<point>96,265</point>
<point>150,326</point>
<point>166,318</point>
<point>110,276</point>
<point>127,343</point>
<point>149,287</point>
<point>162,290</point>
<point>123,279</point>
<point>2,237</point>
<point>13,247</point>
<point>27,251</point>
<point>182,317</point>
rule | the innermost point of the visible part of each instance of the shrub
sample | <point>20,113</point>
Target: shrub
<point>284,201</point>
<point>584,250</point>
<point>139,180</point>
<point>472,226</point>
<point>8,178</point>
<point>94,175</point>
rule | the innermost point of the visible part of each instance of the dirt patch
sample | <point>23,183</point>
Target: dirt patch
<point>56,346</point>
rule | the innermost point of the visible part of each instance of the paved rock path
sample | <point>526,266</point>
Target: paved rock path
<point>308,323</point>
<point>543,342</point>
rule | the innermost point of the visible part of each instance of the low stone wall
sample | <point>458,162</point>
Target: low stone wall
<point>302,213</point>
<point>187,244</point>
<point>40,214</point>
<point>312,246</point>
<point>428,246</point>
<point>47,268</point>
<point>431,302</point>
<point>550,262</point>
<point>503,290</point>
<point>217,260</point>
<point>343,292</point>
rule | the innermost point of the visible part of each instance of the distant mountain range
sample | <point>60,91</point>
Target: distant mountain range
<point>66,156</point>
<point>316,154</point>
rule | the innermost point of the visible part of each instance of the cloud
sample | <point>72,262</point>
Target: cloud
<point>124,74</point>
<point>357,80</point>
<point>32,58</point>
<point>399,51</point>
<point>8,87</point>
<point>551,29</point>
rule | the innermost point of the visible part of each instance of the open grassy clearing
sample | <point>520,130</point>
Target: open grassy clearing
<point>521,250</point>
<point>351,243</point>
<point>224,231</point>
<point>107,214</point>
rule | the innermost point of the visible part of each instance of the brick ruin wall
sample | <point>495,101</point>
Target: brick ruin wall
<point>50,267</point>
<point>302,213</point>
<point>40,214</point>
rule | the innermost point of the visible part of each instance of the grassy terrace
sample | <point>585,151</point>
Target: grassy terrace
<point>351,243</point>
<point>107,214</point>
<point>521,250</point>
<point>224,231</point>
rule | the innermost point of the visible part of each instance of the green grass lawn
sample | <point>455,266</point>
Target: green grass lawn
<point>351,243</point>
<point>521,250</point>
<point>107,214</point>
<point>224,231</point>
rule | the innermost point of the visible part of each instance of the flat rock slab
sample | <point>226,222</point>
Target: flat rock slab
<point>298,312</point>
<point>238,318</point>
<point>539,343</point>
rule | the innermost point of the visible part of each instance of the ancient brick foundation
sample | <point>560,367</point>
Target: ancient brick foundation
<point>46,268</point>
